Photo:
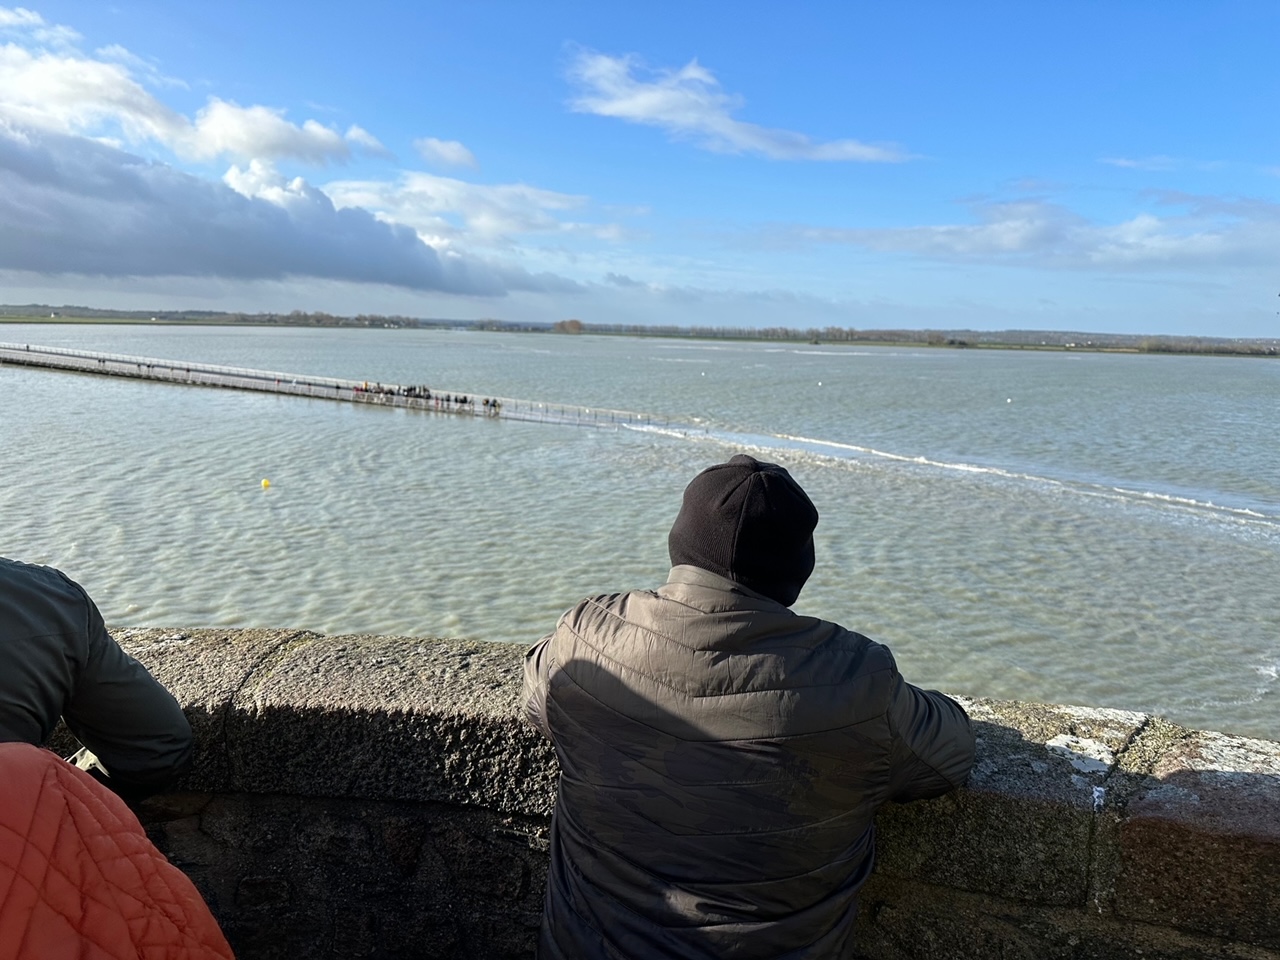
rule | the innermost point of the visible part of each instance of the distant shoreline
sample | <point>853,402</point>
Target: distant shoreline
<point>1042,340</point>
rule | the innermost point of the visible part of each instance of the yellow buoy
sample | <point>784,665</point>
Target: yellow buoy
<point>265,484</point>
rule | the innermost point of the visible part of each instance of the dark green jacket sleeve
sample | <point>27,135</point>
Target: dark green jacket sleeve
<point>125,716</point>
<point>56,659</point>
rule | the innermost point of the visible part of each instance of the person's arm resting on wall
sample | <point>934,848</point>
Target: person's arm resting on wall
<point>537,673</point>
<point>125,716</point>
<point>933,742</point>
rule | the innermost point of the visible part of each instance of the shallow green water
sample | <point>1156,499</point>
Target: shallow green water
<point>1096,529</point>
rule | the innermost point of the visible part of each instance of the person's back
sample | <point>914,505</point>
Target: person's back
<point>57,660</point>
<point>721,757</point>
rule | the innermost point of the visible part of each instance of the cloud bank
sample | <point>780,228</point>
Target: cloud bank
<point>689,103</point>
<point>72,205</point>
<point>75,199</point>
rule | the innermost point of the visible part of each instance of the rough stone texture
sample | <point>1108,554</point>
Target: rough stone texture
<point>206,670</point>
<point>293,877</point>
<point>1023,828</point>
<point>380,797</point>
<point>905,921</point>
<point>386,718</point>
<point>1199,848</point>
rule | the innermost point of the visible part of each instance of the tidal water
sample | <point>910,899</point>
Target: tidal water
<point>1098,529</point>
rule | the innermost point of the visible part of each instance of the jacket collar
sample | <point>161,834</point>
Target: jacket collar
<point>687,575</point>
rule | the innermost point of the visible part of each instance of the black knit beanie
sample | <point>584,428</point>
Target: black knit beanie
<point>750,522</point>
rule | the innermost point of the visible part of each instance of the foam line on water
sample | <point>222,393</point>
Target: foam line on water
<point>846,451</point>
<point>1244,514</point>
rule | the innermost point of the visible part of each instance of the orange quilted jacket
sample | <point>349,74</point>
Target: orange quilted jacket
<point>79,880</point>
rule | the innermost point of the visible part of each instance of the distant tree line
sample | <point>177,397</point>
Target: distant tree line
<point>1249,348</point>
<point>1025,339</point>
<point>1064,340</point>
<point>295,318</point>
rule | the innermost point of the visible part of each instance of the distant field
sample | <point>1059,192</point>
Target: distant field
<point>157,322</point>
<point>46,319</point>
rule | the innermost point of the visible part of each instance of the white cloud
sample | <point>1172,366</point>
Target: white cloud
<point>227,129</point>
<point>68,92</point>
<point>1143,163</point>
<point>19,17</point>
<point>1205,232</point>
<point>72,206</point>
<point>447,153</point>
<point>74,202</point>
<point>1163,164</point>
<point>261,181</point>
<point>690,103</point>
<point>75,95</point>
<point>443,209</point>
<point>22,20</point>
<point>362,138</point>
<point>117,53</point>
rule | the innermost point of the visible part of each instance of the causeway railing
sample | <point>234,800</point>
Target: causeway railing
<point>327,388</point>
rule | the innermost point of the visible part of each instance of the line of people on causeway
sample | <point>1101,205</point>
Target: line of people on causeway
<point>442,401</point>
<point>721,756</point>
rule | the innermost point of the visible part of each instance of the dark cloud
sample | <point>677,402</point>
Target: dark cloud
<point>70,205</point>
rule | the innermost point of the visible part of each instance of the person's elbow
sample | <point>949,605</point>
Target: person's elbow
<point>179,752</point>
<point>955,762</point>
<point>154,768</point>
<point>533,694</point>
<point>939,748</point>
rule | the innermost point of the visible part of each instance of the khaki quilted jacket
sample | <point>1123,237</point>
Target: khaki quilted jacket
<point>722,759</point>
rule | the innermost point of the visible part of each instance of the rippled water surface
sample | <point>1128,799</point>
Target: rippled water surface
<point>1087,528</point>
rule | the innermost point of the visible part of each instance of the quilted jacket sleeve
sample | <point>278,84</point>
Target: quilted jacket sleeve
<point>932,742</point>
<point>537,672</point>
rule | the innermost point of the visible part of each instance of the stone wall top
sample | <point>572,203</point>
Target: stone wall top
<point>367,717</point>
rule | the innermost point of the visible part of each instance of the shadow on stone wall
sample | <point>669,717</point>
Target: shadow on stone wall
<point>293,877</point>
<point>322,833</point>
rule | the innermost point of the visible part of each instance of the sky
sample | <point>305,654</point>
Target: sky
<point>1081,166</point>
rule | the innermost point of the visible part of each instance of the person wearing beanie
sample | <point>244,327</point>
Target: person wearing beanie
<point>721,756</point>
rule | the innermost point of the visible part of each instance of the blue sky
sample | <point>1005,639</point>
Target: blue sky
<point>1077,166</point>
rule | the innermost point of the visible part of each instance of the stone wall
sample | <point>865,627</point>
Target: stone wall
<point>379,797</point>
